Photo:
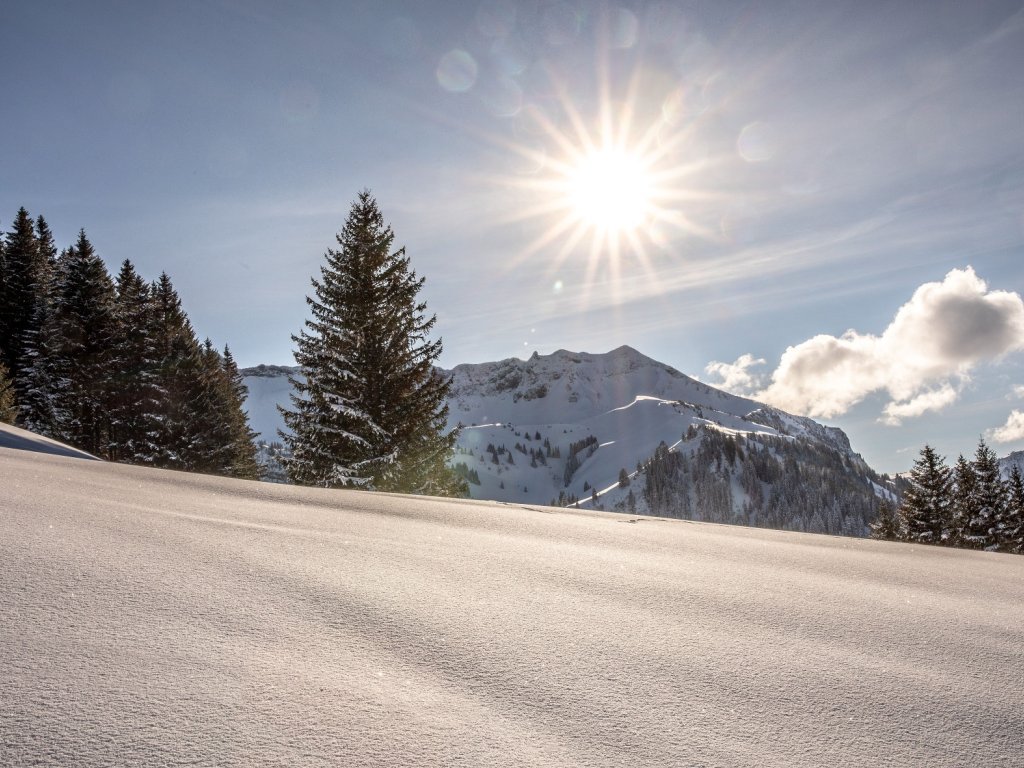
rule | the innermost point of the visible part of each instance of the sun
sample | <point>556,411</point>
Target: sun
<point>611,189</point>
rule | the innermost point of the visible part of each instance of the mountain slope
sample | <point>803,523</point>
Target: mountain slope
<point>558,428</point>
<point>150,617</point>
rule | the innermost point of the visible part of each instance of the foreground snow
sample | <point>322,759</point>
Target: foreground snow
<point>156,618</point>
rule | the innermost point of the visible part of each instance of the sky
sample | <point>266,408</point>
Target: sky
<point>817,204</point>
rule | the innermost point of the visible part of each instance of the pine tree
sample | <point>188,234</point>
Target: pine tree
<point>369,409</point>
<point>178,364</point>
<point>886,525</point>
<point>990,500</point>
<point>1012,533</point>
<point>242,438</point>
<point>135,394</point>
<point>80,338</point>
<point>964,501</point>
<point>24,276</point>
<point>8,410</point>
<point>925,510</point>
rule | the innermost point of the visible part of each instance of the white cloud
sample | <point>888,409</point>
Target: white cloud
<point>1018,390</point>
<point>934,400</point>
<point>736,377</point>
<point>929,348</point>
<point>1012,430</point>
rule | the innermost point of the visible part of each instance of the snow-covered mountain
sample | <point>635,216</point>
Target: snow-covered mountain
<point>1015,458</point>
<point>622,431</point>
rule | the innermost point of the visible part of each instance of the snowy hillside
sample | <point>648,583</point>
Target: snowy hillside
<point>1015,458</point>
<point>150,617</point>
<point>582,428</point>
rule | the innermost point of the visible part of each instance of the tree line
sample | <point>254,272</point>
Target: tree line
<point>968,505</point>
<point>112,365</point>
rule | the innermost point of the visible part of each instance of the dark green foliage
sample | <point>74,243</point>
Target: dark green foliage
<point>80,333</point>
<point>964,504</point>
<point>623,478</point>
<point>369,410</point>
<point>1011,533</point>
<point>926,508</point>
<point>886,525</point>
<point>8,410</point>
<point>115,371</point>
<point>135,396</point>
<point>789,483</point>
<point>990,501</point>
<point>23,275</point>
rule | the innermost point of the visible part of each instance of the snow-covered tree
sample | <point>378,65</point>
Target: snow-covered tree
<point>369,409</point>
<point>80,333</point>
<point>135,395</point>
<point>24,277</point>
<point>963,500</point>
<point>1011,533</point>
<point>925,510</point>
<point>990,500</point>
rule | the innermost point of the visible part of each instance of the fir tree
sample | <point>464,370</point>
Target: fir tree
<point>178,364</point>
<point>369,409</point>
<point>1011,535</point>
<point>925,510</point>
<point>80,338</point>
<point>886,525</point>
<point>964,501</point>
<point>990,500</point>
<point>135,394</point>
<point>24,276</point>
<point>242,438</point>
<point>7,406</point>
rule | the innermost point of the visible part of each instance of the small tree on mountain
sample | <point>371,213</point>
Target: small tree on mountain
<point>369,408</point>
<point>925,511</point>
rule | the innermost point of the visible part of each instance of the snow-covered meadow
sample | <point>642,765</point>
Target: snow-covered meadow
<point>155,618</point>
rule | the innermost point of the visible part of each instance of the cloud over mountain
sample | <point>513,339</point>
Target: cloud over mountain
<point>920,360</point>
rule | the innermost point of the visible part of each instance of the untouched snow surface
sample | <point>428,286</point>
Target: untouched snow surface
<point>156,618</point>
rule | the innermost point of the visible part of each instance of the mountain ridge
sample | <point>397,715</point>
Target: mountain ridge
<point>622,431</point>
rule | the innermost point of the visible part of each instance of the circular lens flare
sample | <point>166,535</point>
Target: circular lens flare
<point>610,189</point>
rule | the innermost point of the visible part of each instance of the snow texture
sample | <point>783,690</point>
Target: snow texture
<point>149,617</point>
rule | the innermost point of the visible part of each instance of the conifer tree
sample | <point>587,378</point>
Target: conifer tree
<point>369,409</point>
<point>178,363</point>
<point>80,338</point>
<point>1011,535</point>
<point>243,439</point>
<point>7,406</point>
<point>23,278</point>
<point>886,525</point>
<point>135,395</point>
<point>990,500</point>
<point>964,501</point>
<point>925,510</point>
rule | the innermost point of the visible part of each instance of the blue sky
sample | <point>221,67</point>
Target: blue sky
<point>812,169</point>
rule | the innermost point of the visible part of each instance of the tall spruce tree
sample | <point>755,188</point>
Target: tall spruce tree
<point>135,394</point>
<point>1011,535</point>
<point>369,408</point>
<point>243,462</point>
<point>925,509</point>
<point>990,500</point>
<point>24,277</point>
<point>964,501</point>
<point>80,337</point>
<point>179,362</point>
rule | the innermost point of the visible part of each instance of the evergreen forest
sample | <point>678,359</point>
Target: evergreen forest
<point>111,364</point>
